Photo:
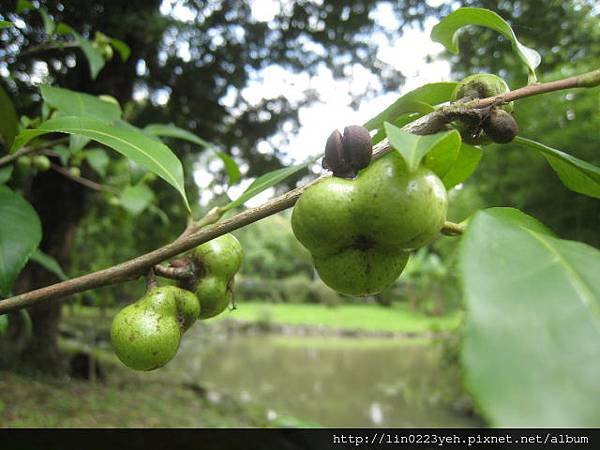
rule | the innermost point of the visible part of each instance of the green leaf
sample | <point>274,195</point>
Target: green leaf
<point>49,25</point>
<point>73,103</point>
<point>76,143</point>
<point>98,160</point>
<point>94,56</point>
<point>20,234</point>
<point>446,33</point>
<point>417,100</point>
<point>9,125</point>
<point>5,174</point>
<point>6,24</point>
<point>266,181</point>
<point>23,5</point>
<point>121,47</point>
<point>413,147</point>
<point>530,355</point>
<point>465,164</point>
<point>129,141</point>
<point>49,263</point>
<point>442,158</point>
<point>579,176</point>
<point>231,167</point>
<point>136,199</point>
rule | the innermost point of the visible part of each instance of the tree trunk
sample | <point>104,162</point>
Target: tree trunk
<point>60,203</point>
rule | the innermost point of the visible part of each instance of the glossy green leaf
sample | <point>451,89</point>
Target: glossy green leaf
<point>579,176</point>
<point>446,33</point>
<point>530,354</point>
<point>73,103</point>
<point>20,234</point>
<point>413,147</point>
<point>49,263</point>
<point>136,199</point>
<point>98,160</point>
<point>465,164</point>
<point>266,181</point>
<point>417,100</point>
<point>9,124</point>
<point>231,167</point>
<point>121,47</point>
<point>6,24</point>
<point>442,158</point>
<point>129,141</point>
<point>5,174</point>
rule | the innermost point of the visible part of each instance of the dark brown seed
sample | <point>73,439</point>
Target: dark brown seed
<point>357,146</point>
<point>334,156</point>
<point>500,126</point>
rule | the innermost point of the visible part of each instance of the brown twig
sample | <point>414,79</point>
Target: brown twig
<point>208,228</point>
<point>84,181</point>
<point>5,160</point>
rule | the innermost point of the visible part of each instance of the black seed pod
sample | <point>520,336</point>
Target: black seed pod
<point>346,155</point>
<point>500,126</point>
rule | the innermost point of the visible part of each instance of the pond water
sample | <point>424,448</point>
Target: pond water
<point>332,382</point>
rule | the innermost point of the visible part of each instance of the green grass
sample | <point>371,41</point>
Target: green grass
<point>367,317</point>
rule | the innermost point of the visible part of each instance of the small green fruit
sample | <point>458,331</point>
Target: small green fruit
<point>146,334</point>
<point>214,295</point>
<point>358,231</point>
<point>75,171</point>
<point>41,163</point>
<point>221,256</point>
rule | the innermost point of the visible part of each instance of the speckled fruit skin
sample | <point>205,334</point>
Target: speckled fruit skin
<point>482,85</point>
<point>221,256</point>
<point>215,295</point>
<point>217,261</point>
<point>359,231</point>
<point>146,334</point>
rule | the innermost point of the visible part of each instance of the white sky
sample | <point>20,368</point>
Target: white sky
<point>408,54</point>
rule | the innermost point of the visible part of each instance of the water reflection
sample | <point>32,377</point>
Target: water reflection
<point>332,381</point>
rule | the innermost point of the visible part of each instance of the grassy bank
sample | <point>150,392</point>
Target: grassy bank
<point>368,317</point>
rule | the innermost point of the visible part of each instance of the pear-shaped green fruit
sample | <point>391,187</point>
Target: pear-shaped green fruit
<point>214,295</point>
<point>358,231</point>
<point>221,256</point>
<point>146,334</point>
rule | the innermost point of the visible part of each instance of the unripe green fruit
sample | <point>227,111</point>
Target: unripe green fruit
<point>146,334</point>
<point>221,256</point>
<point>358,231</point>
<point>482,85</point>
<point>41,163</point>
<point>214,295</point>
<point>24,162</point>
<point>75,171</point>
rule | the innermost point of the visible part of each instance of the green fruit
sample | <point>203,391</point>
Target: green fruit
<point>146,334</point>
<point>75,171</point>
<point>482,85</point>
<point>358,231</point>
<point>24,162</point>
<point>214,295</point>
<point>188,308</point>
<point>41,163</point>
<point>221,256</point>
